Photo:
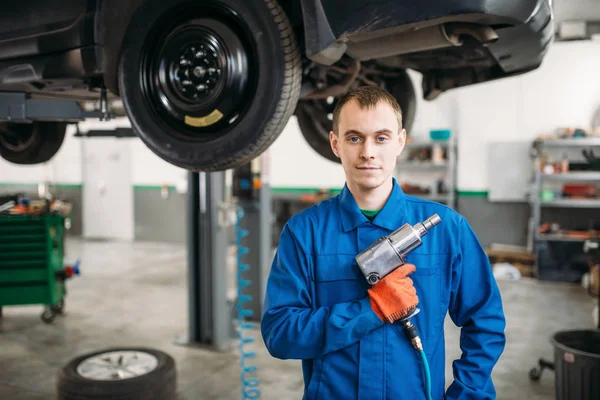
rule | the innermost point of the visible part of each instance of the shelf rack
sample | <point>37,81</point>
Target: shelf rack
<point>449,167</point>
<point>538,204</point>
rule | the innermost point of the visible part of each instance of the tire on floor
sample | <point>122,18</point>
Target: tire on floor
<point>119,374</point>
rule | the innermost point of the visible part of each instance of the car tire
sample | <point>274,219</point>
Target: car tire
<point>315,124</point>
<point>402,88</point>
<point>209,85</point>
<point>85,376</point>
<point>32,143</point>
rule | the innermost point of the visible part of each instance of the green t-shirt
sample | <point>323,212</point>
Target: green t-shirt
<point>370,214</point>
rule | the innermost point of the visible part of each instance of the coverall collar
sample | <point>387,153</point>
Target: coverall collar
<point>393,210</point>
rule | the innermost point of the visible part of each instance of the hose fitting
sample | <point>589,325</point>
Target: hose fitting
<point>413,335</point>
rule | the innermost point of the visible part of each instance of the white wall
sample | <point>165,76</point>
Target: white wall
<point>440,113</point>
<point>150,169</point>
<point>294,164</point>
<point>563,92</point>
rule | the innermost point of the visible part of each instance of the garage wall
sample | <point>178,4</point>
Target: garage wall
<point>563,92</point>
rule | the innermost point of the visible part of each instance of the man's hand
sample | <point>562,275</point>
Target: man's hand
<point>394,295</point>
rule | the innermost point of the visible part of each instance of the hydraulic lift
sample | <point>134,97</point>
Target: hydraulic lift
<point>212,201</point>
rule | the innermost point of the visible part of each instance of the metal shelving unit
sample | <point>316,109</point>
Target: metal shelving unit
<point>449,167</point>
<point>579,176</point>
<point>538,204</point>
<point>575,142</point>
<point>558,238</point>
<point>568,203</point>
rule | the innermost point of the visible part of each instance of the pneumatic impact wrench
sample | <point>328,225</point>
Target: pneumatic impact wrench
<point>388,253</point>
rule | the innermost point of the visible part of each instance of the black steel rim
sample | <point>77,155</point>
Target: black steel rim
<point>199,78</point>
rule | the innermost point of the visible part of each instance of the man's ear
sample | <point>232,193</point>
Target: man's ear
<point>333,141</point>
<point>401,141</point>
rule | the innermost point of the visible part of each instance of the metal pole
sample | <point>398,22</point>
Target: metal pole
<point>210,322</point>
<point>221,318</point>
<point>206,253</point>
<point>193,220</point>
<point>266,251</point>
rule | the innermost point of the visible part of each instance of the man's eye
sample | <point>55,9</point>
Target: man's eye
<point>382,138</point>
<point>354,139</point>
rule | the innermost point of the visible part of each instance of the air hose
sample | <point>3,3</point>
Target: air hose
<point>412,334</point>
<point>427,375</point>
<point>249,385</point>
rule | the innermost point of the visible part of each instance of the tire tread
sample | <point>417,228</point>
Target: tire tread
<point>291,84</point>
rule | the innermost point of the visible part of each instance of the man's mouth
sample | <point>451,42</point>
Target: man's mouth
<point>368,167</point>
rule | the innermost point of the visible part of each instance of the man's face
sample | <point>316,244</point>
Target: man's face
<point>369,141</point>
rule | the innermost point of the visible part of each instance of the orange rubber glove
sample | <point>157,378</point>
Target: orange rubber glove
<point>394,295</point>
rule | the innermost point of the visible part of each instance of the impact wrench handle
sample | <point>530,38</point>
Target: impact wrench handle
<point>394,296</point>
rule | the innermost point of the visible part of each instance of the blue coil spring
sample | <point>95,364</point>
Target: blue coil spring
<point>249,385</point>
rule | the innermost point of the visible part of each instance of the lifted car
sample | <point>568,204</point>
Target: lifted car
<point>210,84</point>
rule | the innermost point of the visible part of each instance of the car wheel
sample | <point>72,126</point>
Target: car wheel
<point>402,88</point>
<point>119,373</point>
<point>32,143</point>
<point>315,117</point>
<point>209,85</point>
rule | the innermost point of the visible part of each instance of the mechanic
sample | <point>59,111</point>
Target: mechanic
<point>320,309</point>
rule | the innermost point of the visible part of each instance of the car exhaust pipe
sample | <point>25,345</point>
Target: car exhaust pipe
<point>430,38</point>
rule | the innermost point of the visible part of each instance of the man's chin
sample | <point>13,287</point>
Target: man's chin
<point>369,183</point>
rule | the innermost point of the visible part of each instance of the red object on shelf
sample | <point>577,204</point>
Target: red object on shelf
<point>573,190</point>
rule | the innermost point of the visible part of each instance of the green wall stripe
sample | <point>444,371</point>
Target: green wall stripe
<point>475,193</point>
<point>463,193</point>
<point>289,190</point>
<point>35,185</point>
<point>151,187</point>
<point>9,184</point>
<point>74,186</point>
<point>68,185</point>
<point>302,190</point>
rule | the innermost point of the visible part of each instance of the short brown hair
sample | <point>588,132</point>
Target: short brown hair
<point>367,97</point>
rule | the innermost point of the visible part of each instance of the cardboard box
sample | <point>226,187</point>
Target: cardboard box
<point>595,279</point>
<point>519,257</point>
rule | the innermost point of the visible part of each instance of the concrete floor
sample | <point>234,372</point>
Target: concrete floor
<point>134,294</point>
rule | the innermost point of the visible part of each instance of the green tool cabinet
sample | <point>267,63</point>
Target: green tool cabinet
<point>31,262</point>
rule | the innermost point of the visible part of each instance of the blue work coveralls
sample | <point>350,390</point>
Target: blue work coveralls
<point>317,307</point>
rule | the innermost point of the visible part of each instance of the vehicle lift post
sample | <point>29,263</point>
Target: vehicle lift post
<point>210,323</point>
<point>210,313</point>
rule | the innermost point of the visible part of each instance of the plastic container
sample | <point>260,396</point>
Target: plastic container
<point>439,134</point>
<point>577,364</point>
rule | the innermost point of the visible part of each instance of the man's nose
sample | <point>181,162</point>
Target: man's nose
<point>368,150</point>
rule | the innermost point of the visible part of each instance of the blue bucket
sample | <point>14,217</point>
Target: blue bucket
<point>439,134</point>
